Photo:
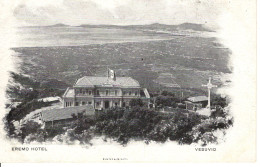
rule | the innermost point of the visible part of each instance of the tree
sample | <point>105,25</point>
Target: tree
<point>164,101</point>
<point>219,101</point>
<point>136,102</point>
<point>166,93</point>
<point>82,123</point>
<point>10,128</point>
<point>31,127</point>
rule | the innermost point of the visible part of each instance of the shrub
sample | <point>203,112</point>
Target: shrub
<point>55,131</point>
<point>166,93</point>
<point>25,108</point>
<point>219,101</point>
<point>40,137</point>
<point>136,102</point>
<point>19,78</point>
<point>166,101</point>
<point>137,123</point>
<point>204,132</point>
<point>31,131</point>
<point>142,124</point>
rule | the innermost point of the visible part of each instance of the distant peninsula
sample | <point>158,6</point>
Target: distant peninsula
<point>151,27</point>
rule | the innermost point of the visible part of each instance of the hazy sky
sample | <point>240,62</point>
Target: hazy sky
<point>76,12</point>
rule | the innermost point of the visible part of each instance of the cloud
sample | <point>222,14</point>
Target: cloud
<point>76,12</point>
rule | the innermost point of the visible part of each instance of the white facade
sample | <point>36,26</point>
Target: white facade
<point>103,92</point>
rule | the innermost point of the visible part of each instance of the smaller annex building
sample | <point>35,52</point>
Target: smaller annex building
<point>196,102</point>
<point>64,116</point>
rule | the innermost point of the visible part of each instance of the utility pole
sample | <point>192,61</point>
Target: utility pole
<point>181,94</point>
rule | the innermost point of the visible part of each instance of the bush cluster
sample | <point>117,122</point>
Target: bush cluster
<point>137,123</point>
<point>140,123</point>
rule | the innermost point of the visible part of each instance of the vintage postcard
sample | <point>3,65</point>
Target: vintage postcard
<point>128,81</point>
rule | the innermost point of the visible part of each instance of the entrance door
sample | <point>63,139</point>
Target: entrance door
<point>106,104</point>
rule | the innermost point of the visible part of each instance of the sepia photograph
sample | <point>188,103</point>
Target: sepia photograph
<point>137,78</point>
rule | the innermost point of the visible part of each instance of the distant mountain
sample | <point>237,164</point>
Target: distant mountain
<point>100,26</point>
<point>58,25</point>
<point>155,26</point>
<point>195,27</point>
<point>55,25</point>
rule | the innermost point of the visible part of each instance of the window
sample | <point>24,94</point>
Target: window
<point>80,90</point>
<point>115,92</point>
<point>115,104</point>
<point>124,92</point>
<point>89,102</point>
<point>97,103</point>
<point>89,92</point>
<point>130,93</point>
<point>98,92</point>
<point>67,104</point>
<point>83,103</point>
<point>107,92</point>
<point>136,93</point>
<point>76,103</point>
<point>83,91</point>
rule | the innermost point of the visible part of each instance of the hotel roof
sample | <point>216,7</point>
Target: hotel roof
<point>70,92</point>
<point>197,99</point>
<point>91,81</point>
<point>66,113</point>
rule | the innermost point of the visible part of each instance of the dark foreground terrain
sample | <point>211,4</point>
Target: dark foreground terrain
<point>124,125</point>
